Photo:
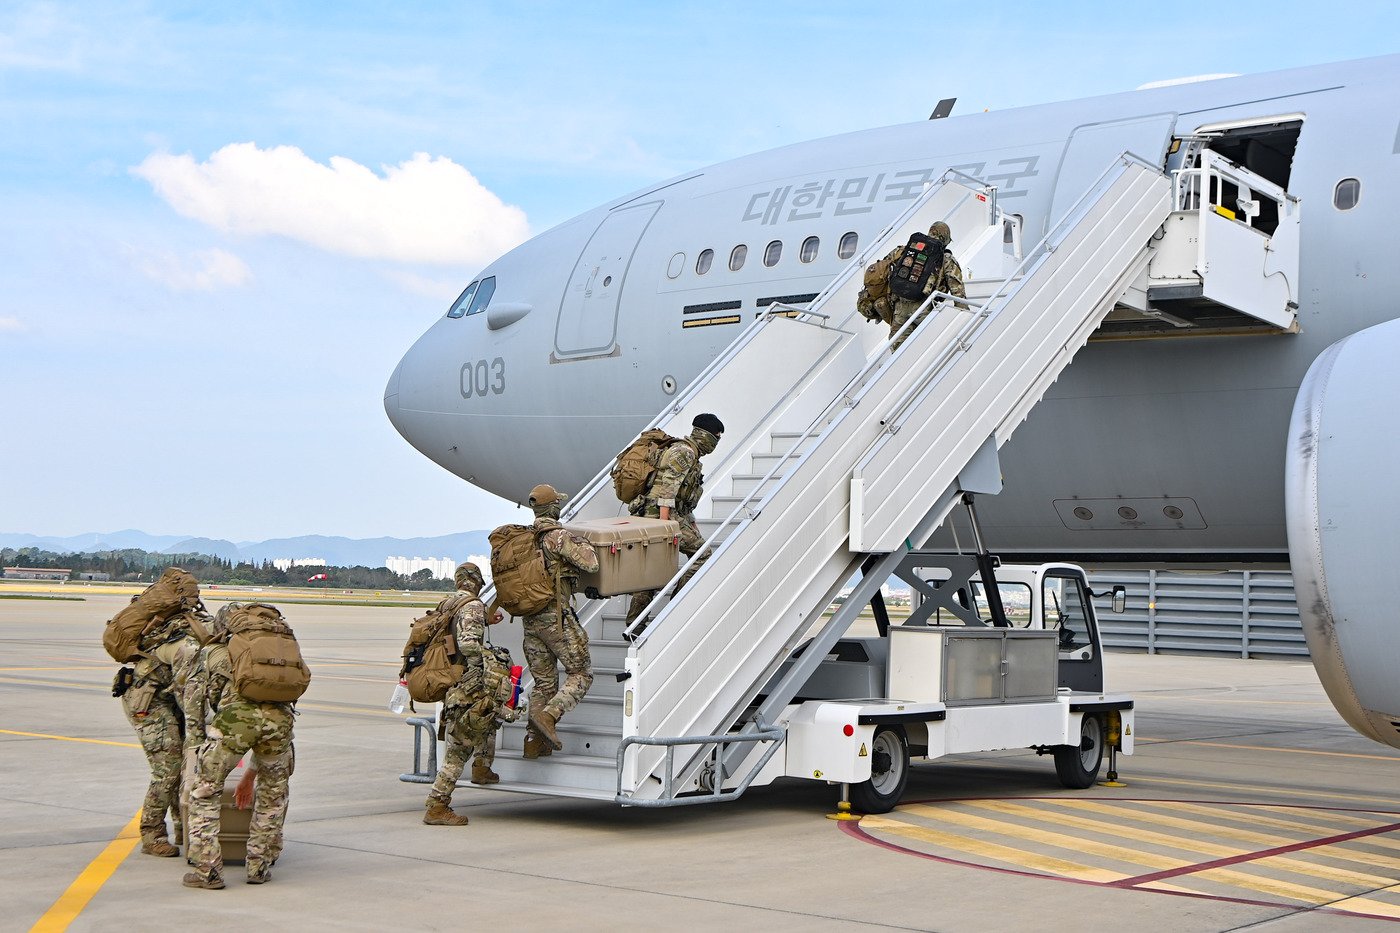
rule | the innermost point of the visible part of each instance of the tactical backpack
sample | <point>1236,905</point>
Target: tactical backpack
<point>876,284</point>
<point>266,660</point>
<point>148,609</point>
<point>921,257</point>
<point>431,664</point>
<point>524,585</point>
<point>636,465</point>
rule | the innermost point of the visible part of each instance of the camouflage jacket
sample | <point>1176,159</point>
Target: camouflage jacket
<point>576,554</point>
<point>949,277</point>
<point>210,689</point>
<point>678,481</point>
<point>469,630</point>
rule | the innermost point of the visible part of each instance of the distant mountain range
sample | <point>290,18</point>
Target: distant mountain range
<point>337,552</point>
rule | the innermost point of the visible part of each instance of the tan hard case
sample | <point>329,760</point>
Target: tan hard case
<point>233,830</point>
<point>634,554</point>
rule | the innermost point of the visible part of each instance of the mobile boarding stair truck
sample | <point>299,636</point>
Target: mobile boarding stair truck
<point>976,667</point>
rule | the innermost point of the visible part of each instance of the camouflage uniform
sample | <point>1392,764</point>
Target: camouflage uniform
<point>237,726</point>
<point>150,707</point>
<point>468,714</point>
<point>677,485</point>
<point>948,278</point>
<point>554,637</point>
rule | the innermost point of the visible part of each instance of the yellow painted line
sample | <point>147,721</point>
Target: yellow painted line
<point>72,901</point>
<point>1324,829</point>
<point>68,738</point>
<point>991,850</point>
<point>1388,799</point>
<point>946,814</point>
<point>1366,905</point>
<point>1227,876</point>
<point>1287,863</point>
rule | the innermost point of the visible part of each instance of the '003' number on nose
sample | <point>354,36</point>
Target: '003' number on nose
<point>482,378</point>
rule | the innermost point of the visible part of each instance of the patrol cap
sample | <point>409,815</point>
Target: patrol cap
<point>708,422</point>
<point>468,573</point>
<point>939,230</point>
<point>545,494</point>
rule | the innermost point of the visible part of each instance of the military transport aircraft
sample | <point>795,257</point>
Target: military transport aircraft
<point>1184,432</point>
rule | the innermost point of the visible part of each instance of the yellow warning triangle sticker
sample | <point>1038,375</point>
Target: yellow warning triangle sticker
<point>1128,730</point>
<point>863,752</point>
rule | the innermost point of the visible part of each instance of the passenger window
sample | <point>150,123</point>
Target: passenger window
<point>704,261</point>
<point>1348,193</point>
<point>464,300</point>
<point>484,291</point>
<point>737,257</point>
<point>847,247</point>
<point>809,249</point>
<point>773,253</point>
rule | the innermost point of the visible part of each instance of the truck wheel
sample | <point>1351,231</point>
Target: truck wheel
<point>889,772</point>
<point>1078,765</point>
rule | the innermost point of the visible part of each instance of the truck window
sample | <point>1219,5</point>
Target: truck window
<point>1065,613</point>
<point>1015,600</point>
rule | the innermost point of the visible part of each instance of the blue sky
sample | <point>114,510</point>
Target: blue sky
<point>221,225</point>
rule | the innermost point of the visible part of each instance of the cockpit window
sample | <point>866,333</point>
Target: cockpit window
<point>464,300</point>
<point>483,295</point>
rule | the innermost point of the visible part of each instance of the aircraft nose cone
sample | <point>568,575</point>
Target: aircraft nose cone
<point>391,398</point>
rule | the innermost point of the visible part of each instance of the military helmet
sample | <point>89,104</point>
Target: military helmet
<point>939,231</point>
<point>468,577</point>
<point>220,624</point>
<point>545,494</point>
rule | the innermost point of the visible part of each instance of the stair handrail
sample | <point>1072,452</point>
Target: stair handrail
<point>1033,258</point>
<point>878,358</point>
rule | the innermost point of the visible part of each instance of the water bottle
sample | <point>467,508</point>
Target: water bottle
<point>399,701</point>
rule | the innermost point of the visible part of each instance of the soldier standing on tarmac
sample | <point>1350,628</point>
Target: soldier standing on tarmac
<point>553,637</point>
<point>674,492</point>
<point>226,725</point>
<point>150,692</point>
<point>471,708</point>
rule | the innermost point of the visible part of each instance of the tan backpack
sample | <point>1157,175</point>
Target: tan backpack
<point>266,659</point>
<point>175,591</point>
<point>524,585</point>
<point>877,277</point>
<point>431,664</point>
<point>636,465</point>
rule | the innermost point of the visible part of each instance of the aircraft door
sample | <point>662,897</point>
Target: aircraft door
<point>1093,145</point>
<point>588,314</point>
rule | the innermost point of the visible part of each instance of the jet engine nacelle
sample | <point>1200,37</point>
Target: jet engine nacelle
<point>1343,508</point>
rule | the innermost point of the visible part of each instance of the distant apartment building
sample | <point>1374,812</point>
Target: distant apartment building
<point>287,563</point>
<point>441,567</point>
<point>36,573</point>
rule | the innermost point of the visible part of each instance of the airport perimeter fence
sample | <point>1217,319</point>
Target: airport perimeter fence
<point>1240,614</point>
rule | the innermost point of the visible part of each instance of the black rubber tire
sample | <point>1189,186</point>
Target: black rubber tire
<point>889,772</point>
<point>1078,765</point>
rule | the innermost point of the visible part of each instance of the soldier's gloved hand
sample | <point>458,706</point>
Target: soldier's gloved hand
<point>507,714</point>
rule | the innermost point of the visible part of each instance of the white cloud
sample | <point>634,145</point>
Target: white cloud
<point>422,210</point>
<point>11,325</point>
<point>203,271</point>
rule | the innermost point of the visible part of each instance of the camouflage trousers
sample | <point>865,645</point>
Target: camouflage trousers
<point>691,542</point>
<point>903,311</point>
<point>157,723</point>
<point>266,730</point>
<point>470,725</point>
<point>550,643</point>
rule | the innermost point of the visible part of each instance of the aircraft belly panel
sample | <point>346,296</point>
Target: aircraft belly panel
<point>1342,502</point>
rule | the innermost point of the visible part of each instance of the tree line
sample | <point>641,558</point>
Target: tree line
<point>133,565</point>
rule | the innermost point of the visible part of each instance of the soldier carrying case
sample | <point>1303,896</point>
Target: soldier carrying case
<point>634,554</point>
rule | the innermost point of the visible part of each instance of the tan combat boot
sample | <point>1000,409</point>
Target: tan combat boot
<point>440,814</point>
<point>160,848</point>
<point>544,722</point>
<point>536,747</point>
<point>482,773</point>
<point>195,880</point>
